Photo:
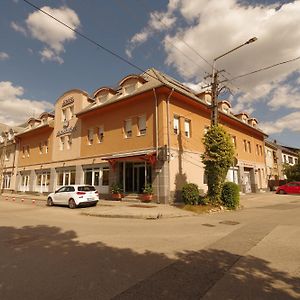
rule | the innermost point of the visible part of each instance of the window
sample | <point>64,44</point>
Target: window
<point>105,176</point>
<point>245,145</point>
<point>187,128</point>
<point>41,147</point>
<point>206,128</point>
<point>62,143</point>
<point>249,146</point>
<point>46,146</point>
<point>7,155</point>
<point>71,108</point>
<point>260,150</point>
<point>296,161</point>
<point>233,138</point>
<point>88,176</point>
<point>23,151</point>
<point>290,159</point>
<point>64,115</point>
<point>284,158</point>
<point>69,141</point>
<point>100,134</point>
<point>128,128</point>
<point>257,150</point>
<point>142,125</point>
<point>176,124</point>
<point>28,151</point>
<point>128,89</point>
<point>90,136</point>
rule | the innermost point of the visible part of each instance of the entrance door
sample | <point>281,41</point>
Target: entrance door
<point>247,182</point>
<point>138,178</point>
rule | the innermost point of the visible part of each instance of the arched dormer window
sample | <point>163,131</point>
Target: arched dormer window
<point>225,106</point>
<point>130,83</point>
<point>103,94</point>
<point>243,117</point>
<point>253,122</point>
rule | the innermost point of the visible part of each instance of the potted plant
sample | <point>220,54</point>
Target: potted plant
<point>116,191</point>
<point>147,193</point>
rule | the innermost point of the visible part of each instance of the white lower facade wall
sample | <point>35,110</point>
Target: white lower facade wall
<point>52,176</point>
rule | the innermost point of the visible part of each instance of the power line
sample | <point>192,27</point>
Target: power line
<point>263,69</point>
<point>156,39</point>
<point>91,40</point>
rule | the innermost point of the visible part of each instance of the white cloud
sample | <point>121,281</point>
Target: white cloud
<point>50,55</point>
<point>158,21</point>
<point>212,27</point>
<point>53,34</point>
<point>14,108</point>
<point>18,28</point>
<point>4,56</point>
<point>290,122</point>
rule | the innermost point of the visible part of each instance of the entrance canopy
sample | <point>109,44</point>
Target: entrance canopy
<point>148,156</point>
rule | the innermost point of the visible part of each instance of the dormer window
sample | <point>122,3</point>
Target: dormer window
<point>1,139</point>
<point>44,120</point>
<point>129,89</point>
<point>102,98</point>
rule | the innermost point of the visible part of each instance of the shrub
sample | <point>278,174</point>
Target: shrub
<point>148,189</point>
<point>190,194</point>
<point>116,188</point>
<point>230,195</point>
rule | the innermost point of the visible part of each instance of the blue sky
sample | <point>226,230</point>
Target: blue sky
<point>40,59</point>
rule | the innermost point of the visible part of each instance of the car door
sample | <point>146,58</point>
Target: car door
<point>60,195</point>
<point>291,188</point>
<point>298,187</point>
<point>68,194</point>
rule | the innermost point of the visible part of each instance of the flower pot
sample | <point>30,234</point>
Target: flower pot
<point>147,197</point>
<point>117,196</point>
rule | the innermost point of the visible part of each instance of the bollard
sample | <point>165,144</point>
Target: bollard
<point>6,198</point>
<point>22,200</point>
<point>33,201</point>
<point>13,199</point>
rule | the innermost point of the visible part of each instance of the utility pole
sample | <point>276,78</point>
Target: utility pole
<point>215,83</point>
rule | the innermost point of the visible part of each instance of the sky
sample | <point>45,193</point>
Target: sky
<point>40,59</point>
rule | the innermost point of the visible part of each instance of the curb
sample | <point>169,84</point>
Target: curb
<point>154,217</point>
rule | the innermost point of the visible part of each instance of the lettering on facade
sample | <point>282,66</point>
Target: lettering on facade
<point>68,101</point>
<point>66,130</point>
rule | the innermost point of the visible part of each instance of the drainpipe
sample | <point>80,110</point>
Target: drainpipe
<point>156,140</point>
<point>169,143</point>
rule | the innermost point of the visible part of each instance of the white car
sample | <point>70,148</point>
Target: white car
<point>74,195</point>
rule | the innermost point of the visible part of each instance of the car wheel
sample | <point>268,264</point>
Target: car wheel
<point>49,202</point>
<point>282,192</point>
<point>72,204</point>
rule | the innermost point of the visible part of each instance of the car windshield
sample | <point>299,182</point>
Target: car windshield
<point>86,188</point>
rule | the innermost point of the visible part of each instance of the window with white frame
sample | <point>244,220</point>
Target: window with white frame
<point>128,128</point>
<point>128,89</point>
<point>142,125</point>
<point>7,155</point>
<point>187,128</point>
<point>41,147</point>
<point>28,150</point>
<point>233,138</point>
<point>100,134</point>
<point>176,124</point>
<point>90,136</point>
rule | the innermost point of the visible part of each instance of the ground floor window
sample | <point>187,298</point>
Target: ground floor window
<point>6,181</point>
<point>97,176</point>
<point>42,181</point>
<point>66,177</point>
<point>24,182</point>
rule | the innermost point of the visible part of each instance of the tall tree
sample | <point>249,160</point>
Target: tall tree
<point>217,158</point>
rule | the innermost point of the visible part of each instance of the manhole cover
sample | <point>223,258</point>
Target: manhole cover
<point>208,225</point>
<point>229,222</point>
<point>141,206</point>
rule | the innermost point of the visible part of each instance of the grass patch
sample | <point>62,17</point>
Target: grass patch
<point>198,209</point>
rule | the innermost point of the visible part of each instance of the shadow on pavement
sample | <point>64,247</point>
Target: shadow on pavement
<point>45,263</point>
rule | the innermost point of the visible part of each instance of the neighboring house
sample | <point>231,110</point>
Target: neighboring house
<point>148,130</point>
<point>8,156</point>
<point>273,161</point>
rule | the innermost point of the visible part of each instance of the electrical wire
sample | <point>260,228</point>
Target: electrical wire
<point>91,40</point>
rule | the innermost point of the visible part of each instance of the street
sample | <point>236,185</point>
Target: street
<point>58,253</point>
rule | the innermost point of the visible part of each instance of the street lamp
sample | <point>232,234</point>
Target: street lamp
<point>214,84</point>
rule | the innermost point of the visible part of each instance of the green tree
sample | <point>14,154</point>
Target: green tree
<point>217,158</point>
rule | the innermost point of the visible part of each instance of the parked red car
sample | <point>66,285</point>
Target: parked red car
<point>289,188</point>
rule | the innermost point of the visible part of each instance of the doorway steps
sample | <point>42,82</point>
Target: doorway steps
<point>133,198</point>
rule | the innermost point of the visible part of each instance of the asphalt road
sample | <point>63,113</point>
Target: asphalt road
<point>56,253</point>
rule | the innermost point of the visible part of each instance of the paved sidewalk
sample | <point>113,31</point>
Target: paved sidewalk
<point>113,209</point>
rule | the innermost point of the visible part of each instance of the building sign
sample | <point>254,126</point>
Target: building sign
<point>68,101</point>
<point>66,130</point>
